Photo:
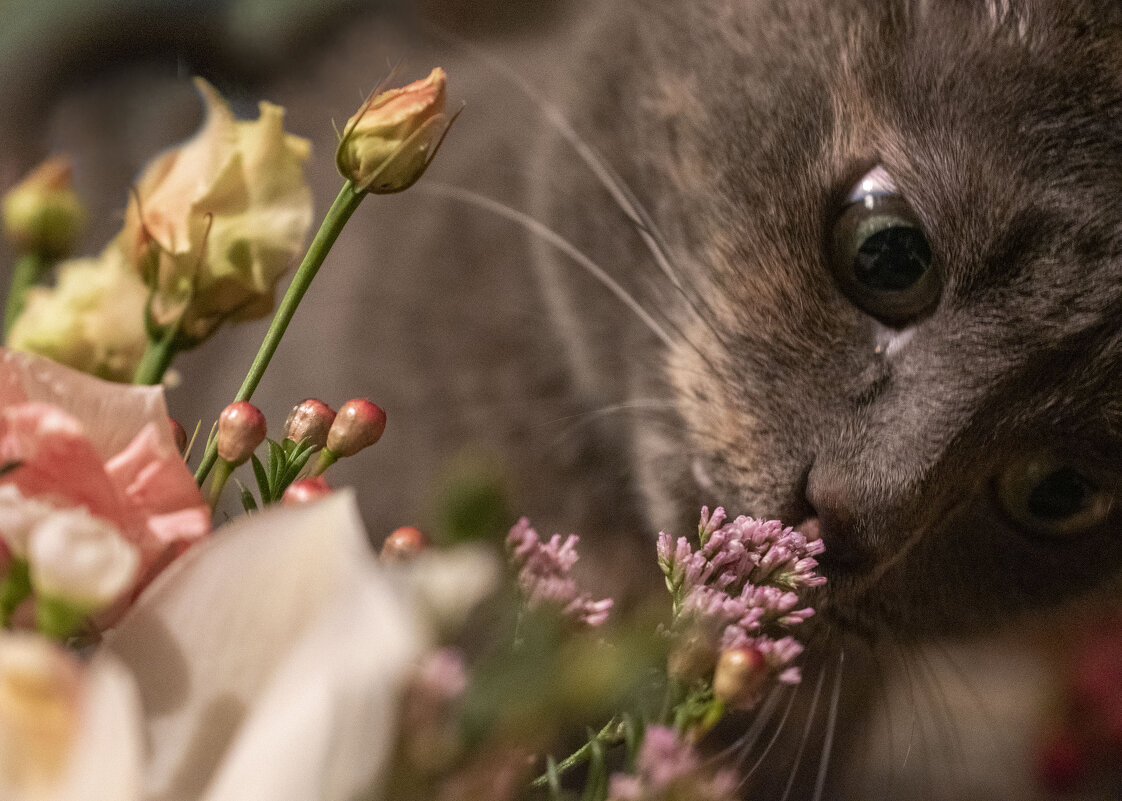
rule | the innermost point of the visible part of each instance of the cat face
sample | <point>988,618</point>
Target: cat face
<point>897,234</point>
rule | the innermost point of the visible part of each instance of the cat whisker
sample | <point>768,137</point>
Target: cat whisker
<point>771,742</point>
<point>885,710</point>
<point>666,410</point>
<point>551,237</point>
<point>949,739</point>
<point>831,724</point>
<point>612,182</point>
<point>745,743</point>
<point>650,404</point>
<point>810,720</point>
<point>547,234</point>
<point>916,732</point>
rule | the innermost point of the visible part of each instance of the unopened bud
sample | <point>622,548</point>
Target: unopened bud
<point>241,428</point>
<point>404,544</point>
<point>388,144</point>
<point>308,422</point>
<point>80,561</point>
<point>305,490</point>
<point>359,424</point>
<point>42,213</point>
<point>179,434</point>
<point>740,676</point>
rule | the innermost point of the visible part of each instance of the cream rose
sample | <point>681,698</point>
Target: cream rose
<point>216,221</point>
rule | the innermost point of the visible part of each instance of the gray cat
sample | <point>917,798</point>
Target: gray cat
<point>873,253</point>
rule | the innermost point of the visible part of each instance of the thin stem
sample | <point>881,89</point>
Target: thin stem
<point>158,354</point>
<point>29,269</point>
<point>222,474</point>
<point>337,216</point>
<point>611,734</point>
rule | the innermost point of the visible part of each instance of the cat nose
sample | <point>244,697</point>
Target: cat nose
<point>839,522</point>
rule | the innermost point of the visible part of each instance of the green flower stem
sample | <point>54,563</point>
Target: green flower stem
<point>325,459</point>
<point>157,357</point>
<point>30,268</point>
<point>337,216</point>
<point>222,472</point>
<point>611,734</point>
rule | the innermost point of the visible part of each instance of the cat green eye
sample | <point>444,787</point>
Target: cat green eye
<point>1049,496</point>
<point>881,255</point>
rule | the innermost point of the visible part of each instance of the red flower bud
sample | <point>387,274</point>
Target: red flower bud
<point>740,676</point>
<point>179,434</point>
<point>305,490</point>
<point>358,425</point>
<point>309,421</point>
<point>404,544</point>
<point>241,428</point>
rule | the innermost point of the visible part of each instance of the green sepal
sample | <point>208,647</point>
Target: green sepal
<point>14,589</point>
<point>58,619</point>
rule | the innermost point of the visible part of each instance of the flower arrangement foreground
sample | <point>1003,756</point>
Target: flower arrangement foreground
<point>146,656</point>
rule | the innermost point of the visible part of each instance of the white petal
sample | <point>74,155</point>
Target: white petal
<point>106,761</point>
<point>450,584</point>
<point>326,726</point>
<point>206,637</point>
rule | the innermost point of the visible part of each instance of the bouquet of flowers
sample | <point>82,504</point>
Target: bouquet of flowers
<point>146,653</point>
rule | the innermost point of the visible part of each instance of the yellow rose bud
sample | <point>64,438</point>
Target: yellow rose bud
<point>42,213</point>
<point>391,141</point>
<point>214,223</point>
<point>91,320</point>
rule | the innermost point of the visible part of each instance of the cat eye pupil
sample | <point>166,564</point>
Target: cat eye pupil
<point>1061,494</point>
<point>880,253</point>
<point>892,259</point>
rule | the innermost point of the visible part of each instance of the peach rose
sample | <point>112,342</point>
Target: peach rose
<point>390,142</point>
<point>78,443</point>
<point>216,221</point>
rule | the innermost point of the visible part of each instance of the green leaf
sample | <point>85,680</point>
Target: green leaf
<point>263,485</point>
<point>248,503</point>
<point>297,459</point>
<point>597,787</point>
<point>633,731</point>
<point>276,465</point>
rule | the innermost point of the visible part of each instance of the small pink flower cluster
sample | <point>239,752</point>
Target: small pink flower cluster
<point>740,586</point>
<point>544,575</point>
<point>669,769</point>
<point>734,555</point>
<point>742,619</point>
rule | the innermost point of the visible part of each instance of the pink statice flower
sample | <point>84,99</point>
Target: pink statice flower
<point>739,589</point>
<point>733,555</point>
<point>669,769</point>
<point>74,442</point>
<point>544,575</point>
